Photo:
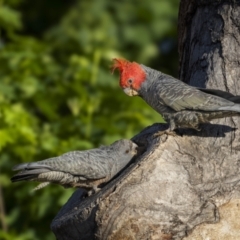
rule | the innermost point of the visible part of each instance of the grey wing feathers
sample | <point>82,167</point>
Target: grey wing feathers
<point>90,164</point>
<point>181,96</point>
<point>222,94</point>
<point>30,166</point>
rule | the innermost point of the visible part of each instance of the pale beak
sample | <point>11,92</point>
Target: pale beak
<point>130,92</point>
<point>134,149</point>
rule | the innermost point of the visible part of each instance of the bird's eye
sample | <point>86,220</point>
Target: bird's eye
<point>130,81</point>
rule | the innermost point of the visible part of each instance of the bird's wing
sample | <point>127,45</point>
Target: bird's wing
<point>222,94</point>
<point>180,96</point>
<point>92,164</point>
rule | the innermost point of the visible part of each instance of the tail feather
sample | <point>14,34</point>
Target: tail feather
<point>235,99</point>
<point>220,114</point>
<point>234,108</point>
<point>28,174</point>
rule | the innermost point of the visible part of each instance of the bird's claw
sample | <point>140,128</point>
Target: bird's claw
<point>94,190</point>
<point>167,132</point>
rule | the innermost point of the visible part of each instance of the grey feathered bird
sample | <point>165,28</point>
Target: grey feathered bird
<point>86,169</point>
<point>180,105</point>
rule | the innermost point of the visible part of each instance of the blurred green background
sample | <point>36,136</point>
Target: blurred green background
<point>57,93</point>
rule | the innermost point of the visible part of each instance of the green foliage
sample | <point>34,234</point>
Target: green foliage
<point>57,93</point>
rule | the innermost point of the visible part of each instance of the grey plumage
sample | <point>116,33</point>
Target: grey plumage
<point>87,169</point>
<point>183,105</point>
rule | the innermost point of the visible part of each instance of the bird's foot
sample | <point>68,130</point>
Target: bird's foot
<point>167,132</point>
<point>94,190</point>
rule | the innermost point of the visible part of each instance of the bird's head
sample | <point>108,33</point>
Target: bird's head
<point>132,75</point>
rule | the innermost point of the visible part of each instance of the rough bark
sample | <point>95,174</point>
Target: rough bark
<point>183,182</point>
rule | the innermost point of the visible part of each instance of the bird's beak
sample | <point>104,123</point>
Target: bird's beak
<point>135,148</point>
<point>130,92</point>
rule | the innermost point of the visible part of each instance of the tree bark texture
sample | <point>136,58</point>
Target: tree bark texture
<point>180,187</point>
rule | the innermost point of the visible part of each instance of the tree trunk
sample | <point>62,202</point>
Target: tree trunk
<point>183,182</point>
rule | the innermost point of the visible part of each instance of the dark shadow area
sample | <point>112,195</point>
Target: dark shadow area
<point>39,16</point>
<point>207,130</point>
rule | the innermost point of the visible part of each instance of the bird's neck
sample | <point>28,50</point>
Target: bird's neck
<point>152,77</point>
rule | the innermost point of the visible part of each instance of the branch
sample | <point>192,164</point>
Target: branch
<point>173,186</point>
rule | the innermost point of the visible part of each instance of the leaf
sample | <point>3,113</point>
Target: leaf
<point>5,138</point>
<point>9,18</point>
